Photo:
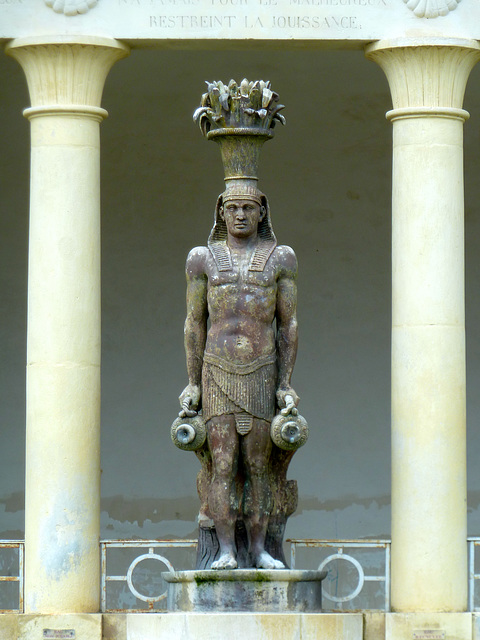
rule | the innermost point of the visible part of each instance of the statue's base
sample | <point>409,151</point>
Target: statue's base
<point>249,590</point>
<point>242,626</point>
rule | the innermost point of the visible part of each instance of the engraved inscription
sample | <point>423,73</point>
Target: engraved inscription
<point>315,22</point>
<point>341,3</point>
<point>253,22</point>
<point>175,3</point>
<point>192,22</point>
<point>287,16</point>
<point>59,634</point>
<point>429,634</point>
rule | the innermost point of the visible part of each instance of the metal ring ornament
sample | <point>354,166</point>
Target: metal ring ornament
<point>189,434</point>
<point>358,567</point>
<point>289,432</point>
<point>138,559</point>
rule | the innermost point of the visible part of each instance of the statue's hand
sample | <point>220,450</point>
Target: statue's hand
<point>189,400</point>
<point>287,400</point>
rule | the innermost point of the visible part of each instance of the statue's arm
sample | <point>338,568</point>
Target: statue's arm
<point>287,332</point>
<point>195,325</point>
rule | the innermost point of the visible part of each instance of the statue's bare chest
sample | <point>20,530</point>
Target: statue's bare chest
<point>241,291</point>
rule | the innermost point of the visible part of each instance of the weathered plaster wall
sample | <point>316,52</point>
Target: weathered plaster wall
<point>14,202</point>
<point>327,175</point>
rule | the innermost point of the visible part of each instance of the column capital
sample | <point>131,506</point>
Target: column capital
<point>66,75</point>
<point>427,77</point>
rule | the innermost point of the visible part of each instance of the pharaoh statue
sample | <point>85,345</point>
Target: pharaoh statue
<point>241,344</point>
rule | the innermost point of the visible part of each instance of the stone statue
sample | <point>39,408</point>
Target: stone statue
<point>241,344</point>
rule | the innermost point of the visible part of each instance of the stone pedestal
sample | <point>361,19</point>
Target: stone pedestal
<point>247,590</point>
<point>234,626</point>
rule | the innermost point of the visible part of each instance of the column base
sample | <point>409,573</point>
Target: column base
<point>429,626</point>
<point>76,626</point>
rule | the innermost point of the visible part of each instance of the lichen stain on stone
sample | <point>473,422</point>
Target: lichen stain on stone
<point>261,577</point>
<point>67,546</point>
<point>206,580</point>
<point>278,626</point>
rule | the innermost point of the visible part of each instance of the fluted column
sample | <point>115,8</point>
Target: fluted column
<point>62,503</point>
<point>429,550</point>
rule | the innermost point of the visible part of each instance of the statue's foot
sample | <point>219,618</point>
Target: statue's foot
<point>265,561</point>
<point>226,561</point>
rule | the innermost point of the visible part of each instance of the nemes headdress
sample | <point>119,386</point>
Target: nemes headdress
<point>240,119</point>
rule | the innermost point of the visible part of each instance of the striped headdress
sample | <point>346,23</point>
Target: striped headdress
<point>217,241</point>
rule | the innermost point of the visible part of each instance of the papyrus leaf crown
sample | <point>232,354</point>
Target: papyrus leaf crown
<point>250,105</point>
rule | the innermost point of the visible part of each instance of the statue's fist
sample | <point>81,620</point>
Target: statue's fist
<point>189,401</point>
<point>287,400</point>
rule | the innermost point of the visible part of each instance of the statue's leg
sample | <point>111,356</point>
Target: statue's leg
<point>284,501</point>
<point>256,449</point>
<point>224,447</point>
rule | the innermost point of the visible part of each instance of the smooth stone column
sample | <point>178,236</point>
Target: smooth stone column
<point>62,502</point>
<point>429,549</point>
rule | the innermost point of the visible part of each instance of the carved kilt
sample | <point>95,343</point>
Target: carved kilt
<point>229,388</point>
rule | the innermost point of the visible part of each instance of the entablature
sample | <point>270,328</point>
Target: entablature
<point>222,23</point>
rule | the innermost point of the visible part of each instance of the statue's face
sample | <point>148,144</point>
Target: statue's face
<point>242,217</point>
